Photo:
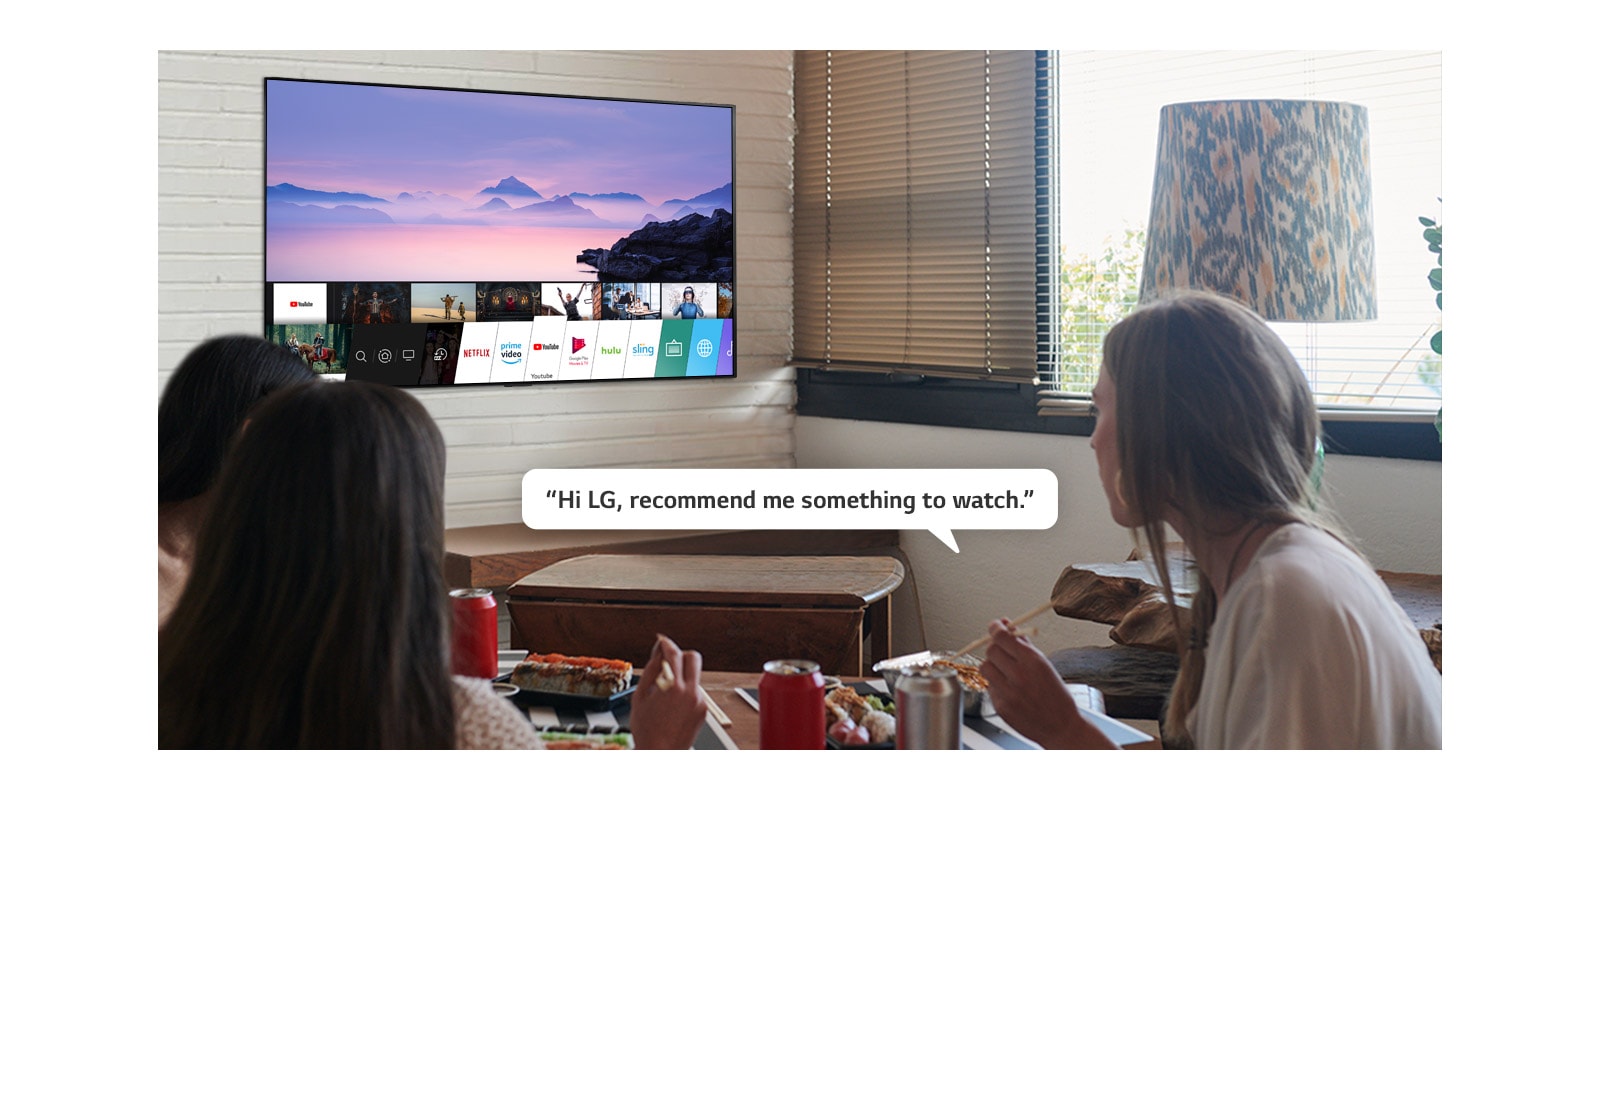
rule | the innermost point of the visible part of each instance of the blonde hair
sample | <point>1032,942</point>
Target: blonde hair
<point>1216,423</point>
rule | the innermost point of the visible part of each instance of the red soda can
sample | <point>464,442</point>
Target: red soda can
<point>475,633</point>
<point>792,713</point>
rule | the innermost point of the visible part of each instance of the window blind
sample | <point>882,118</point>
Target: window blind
<point>1108,104</point>
<point>915,212</point>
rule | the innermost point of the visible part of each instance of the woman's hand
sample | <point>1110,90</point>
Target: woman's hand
<point>668,708</point>
<point>1029,694</point>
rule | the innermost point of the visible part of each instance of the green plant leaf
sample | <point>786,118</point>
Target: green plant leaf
<point>1434,235</point>
<point>1438,342</point>
<point>1425,222</point>
<point>1436,277</point>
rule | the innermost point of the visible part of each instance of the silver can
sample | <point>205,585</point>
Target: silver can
<point>927,708</point>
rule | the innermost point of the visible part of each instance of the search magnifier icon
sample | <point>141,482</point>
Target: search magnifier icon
<point>361,356</point>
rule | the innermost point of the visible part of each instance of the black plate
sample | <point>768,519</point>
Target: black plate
<point>557,701</point>
<point>835,744</point>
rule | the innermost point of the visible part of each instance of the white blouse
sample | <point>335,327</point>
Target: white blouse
<point>1310,650</point>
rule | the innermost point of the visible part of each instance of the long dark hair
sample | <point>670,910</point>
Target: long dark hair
<point>316,616</point>
<point>207,399</point>
<point>1215,421</point>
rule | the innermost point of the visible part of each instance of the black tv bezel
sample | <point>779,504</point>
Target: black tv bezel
<point>733,178</point>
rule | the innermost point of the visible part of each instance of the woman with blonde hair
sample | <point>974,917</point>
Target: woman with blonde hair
<point>1206,426</point>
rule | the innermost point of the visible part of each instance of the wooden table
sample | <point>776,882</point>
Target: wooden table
<point>737,611</point>
<point>745,730</point>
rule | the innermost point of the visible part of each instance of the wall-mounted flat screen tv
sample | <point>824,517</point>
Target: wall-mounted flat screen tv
<point>451,237</point>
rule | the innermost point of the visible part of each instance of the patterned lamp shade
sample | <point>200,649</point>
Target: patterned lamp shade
<point>1268,201</point>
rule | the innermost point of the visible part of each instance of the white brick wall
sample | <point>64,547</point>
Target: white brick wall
<point>210,242</point>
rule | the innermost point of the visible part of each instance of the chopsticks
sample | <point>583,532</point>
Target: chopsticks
<point>714,710</point>
<point>666,678</point>
<point>1029,616</point>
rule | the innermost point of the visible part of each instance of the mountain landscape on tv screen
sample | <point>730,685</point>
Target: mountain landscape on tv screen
<point>382,181</point>
<point>289,204</point>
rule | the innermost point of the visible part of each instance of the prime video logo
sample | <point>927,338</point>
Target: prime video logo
<point>511,352</point>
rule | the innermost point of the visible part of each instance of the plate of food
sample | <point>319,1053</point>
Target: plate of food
<point>974,687</point>
<point>858,720</point>
<point>571,682</point>
<point>566,739</point>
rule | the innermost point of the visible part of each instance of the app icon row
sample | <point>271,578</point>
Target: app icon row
<point>545,349</point>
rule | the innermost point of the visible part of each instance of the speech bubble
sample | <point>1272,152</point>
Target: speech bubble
<point>938,500</point>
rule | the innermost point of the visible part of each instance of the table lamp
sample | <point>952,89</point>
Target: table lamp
<point>1268,201</point>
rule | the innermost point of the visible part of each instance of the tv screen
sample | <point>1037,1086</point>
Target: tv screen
<point>450,237</point>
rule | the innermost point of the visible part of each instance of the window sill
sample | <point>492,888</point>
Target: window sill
<point>1008,407</point>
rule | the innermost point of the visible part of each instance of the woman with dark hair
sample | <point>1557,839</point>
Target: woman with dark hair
<point>317,614</point>
<point>1206,425</point>
<point>205,402</point>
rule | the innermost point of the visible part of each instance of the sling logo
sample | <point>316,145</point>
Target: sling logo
<point>644,350</point>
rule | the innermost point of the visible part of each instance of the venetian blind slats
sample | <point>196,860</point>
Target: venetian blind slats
<point>915,212</point>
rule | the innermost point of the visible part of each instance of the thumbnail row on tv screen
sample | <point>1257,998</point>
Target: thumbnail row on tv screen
<point>466,333</point>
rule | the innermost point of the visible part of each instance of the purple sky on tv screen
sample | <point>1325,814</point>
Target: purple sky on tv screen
<point>367,181</point>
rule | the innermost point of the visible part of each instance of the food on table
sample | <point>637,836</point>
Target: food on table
<point>587,676</point>
<point>970,676</point>
<point>847,732</point>
<point>847,700</point>
<point>862,714</point>
<point>879,726</point>
<point>567,739</point>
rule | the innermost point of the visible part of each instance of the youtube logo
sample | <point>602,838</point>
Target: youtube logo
<point>299,302</point>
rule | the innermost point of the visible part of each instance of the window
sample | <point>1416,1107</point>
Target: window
<point>968,224</point>
<point>1107,108</point>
